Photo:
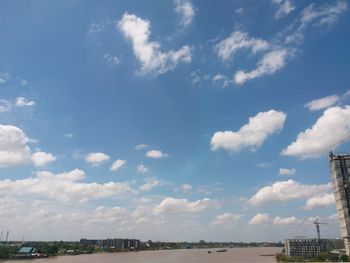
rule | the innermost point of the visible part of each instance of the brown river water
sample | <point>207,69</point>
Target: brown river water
<point>233,255</point>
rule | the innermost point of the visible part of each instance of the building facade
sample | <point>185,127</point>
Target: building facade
<point>340,172</point>
<point>309,247</point>
<point>115,243</point>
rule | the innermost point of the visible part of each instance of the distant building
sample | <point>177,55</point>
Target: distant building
<point>340,172</point>
<point>26,251</point>
<point>311,247</point>
<point>116,243</point>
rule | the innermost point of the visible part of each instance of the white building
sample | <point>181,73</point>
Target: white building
<point>309,247</point>
<point>340,172</point>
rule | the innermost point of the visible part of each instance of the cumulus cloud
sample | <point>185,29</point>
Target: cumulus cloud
<point>226,219</point>
<point>14,149</point>
<point>284,7</point>
<point>150,185</point>
<point>173,205</point>
<point>117,164</point>
<point>148,53</point>
<point>24,102</point>
<point>330,128</point>
<point>286,191</point>
<point>251,135</point>
<point>260,218</point>
<point>96,158</point>
<point>56,220</point>
<point>42,158</point>
<point>156,154</point>
<point>141,168</point>
<point>65,187</point>
<point>264,218</point>
<point>285,221</point>
<point>286,171</point>
<point>228,47</point>
<point>186,10</point>
<point>323,200</point>
<point>322,103</point>
<point>268,65</point>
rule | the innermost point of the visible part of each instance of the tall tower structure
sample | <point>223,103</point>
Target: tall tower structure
<point>340,173</point>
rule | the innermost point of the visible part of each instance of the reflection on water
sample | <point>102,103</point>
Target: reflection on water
<point>233,255</point>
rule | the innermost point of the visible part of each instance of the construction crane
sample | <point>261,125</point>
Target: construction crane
<point>335,145</point>
<point>317,224</point>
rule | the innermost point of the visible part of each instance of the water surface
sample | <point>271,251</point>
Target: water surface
<point>233,255</point>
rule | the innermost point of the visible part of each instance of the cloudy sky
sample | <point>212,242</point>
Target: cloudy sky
<point>171,120</point>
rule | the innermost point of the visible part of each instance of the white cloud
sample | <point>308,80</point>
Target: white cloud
<point>156,154</point>
<point>268,65</point>
<point>117,164</point>
<point>312,15</point>
<point>68,135</point>
<point>64,187</point>
<point>112,60</point>
<point>323,200</point>
<point>239,11</point>
<point>150,185</point>
<point>228,47</point>
<point>285,221</point>
<point>24,83</point>
<point>15,151</point>
<point>96,158</point>
<point>264,165</point>
<point>152,60</point>
<point>334,217</point>
<point>226,219</point>
<point>251,135</point>
<point>141,146</point>
<point>24,102</point>
<point>195,78</point>
<point>264,218</point>
<point>260,218</point>
<point>322,103</point>
<point>173,205</point>
<point>325,15</point>
<point>186,188</point>
<point>42,158</point>
<point>186,10</point>
<point>221,80</point>
<point>330,128</point>
<point>286,171</point>
<point>284,7</point>
<point>141,168</point>
<point>286,191</point>
<point>5,106</point>
<point>97,27</point>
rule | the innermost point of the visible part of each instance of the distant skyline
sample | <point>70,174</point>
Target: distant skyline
<point>171,120</point>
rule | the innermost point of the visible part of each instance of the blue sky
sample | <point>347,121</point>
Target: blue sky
<point>171,120</point>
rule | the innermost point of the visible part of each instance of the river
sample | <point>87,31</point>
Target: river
<point>233,255</point>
